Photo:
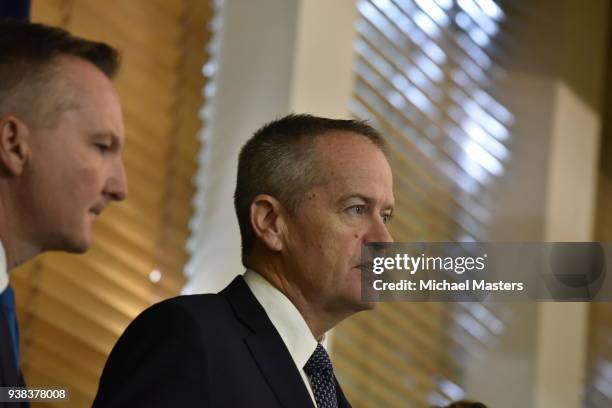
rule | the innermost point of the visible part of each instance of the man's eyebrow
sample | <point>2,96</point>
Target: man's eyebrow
<point>356,195</point>
<point>364,197</point>
<point>107,135</point>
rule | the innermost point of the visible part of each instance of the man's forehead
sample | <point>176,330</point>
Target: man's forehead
<point>70,80</point>
<point>341,149</point>
<point>91,92</point>
<point>340,139</point>
<point>351,164</point>
<point>83,76</point>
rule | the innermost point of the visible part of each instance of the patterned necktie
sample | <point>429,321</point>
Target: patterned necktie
<point>7,302</point>
<point>319,369</point>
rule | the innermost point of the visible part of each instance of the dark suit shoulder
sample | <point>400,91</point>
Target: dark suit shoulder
<point>207,313</point>
<point>208,304</point>
<point>166,344</point>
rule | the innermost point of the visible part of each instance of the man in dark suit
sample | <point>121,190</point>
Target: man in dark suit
<point>310,191</point>
<point>61,135</point>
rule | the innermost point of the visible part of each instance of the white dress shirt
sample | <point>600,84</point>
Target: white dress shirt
<point>288,322</point>
<point>3,272</point>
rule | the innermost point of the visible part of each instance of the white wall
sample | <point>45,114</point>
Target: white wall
<point>274,57</point>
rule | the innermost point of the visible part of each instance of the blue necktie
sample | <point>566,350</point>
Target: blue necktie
<point>7,301</point>
<point>319,369</point>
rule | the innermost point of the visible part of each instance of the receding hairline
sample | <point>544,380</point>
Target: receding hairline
<point>64,71</point>
<point>320,139</point>
<point>335,134</point>
<point>31,68</point>
<point>62,91</point>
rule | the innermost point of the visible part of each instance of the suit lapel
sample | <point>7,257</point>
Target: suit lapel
<point>267,347</point>
<point>279,370</point>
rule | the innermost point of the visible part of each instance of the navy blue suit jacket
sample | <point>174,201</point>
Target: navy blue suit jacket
<point>10,375</point>
<point>213,350</point>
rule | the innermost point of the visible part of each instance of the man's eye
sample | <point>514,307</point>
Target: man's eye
<point>386,218</point>
<point>102,147</point>
<point>356,210</point>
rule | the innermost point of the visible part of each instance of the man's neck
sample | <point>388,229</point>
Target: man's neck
<point>17,249</point>
<point>318,320</point>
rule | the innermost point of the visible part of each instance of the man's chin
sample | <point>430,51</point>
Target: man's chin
<point>370,305</point>
<point>75,245</point>
<point>79,249</point>
<point>363,306</point>
<point>360,305</point>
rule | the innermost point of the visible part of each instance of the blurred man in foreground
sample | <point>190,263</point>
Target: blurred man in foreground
<point>310,191</point>
<point>61,135</point>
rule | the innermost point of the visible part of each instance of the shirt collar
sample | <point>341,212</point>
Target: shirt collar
<point>285,317</point>
<point>3,272</point>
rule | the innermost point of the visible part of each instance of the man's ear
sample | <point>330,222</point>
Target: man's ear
<point>267,220</point>
<point>14,149</point>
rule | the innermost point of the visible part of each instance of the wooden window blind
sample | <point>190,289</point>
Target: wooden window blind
<point>73,308</point>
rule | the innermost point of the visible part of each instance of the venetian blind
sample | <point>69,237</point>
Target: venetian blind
<point>73,308</point>
<point>424,71</point>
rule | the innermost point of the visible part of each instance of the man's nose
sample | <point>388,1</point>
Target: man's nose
<point>378,231</point>
<point>117,188</point>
